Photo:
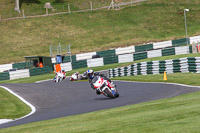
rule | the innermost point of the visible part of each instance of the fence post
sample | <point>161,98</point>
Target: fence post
<point>23,13</point>
<point>131,2</point>
<point>47,11</point>
<point>69,9</point>
<point>91,5</point>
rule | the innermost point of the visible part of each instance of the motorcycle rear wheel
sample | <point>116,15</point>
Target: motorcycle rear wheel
<point>116,95</point>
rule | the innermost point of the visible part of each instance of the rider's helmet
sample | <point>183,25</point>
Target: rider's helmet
<point>63,71</point>
<point>77,73</point>
<point>90,73</point>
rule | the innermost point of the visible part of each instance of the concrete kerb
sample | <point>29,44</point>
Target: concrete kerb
<point>33,109</point>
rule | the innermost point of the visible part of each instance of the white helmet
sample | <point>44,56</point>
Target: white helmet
<point>90,73</point>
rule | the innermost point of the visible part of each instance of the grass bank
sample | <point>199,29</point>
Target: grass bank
<point>152,21</point>
<point>11,107</point>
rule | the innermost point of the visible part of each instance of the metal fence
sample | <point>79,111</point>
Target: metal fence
<point>66,8</point>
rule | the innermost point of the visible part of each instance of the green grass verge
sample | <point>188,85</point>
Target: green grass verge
<point>98,30</point>
<point>11,107</point>
<point>177,114</point>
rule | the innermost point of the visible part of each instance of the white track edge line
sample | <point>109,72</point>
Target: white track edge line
<point>160,83</point>
<point>33,109</point>
<point>47,80</point>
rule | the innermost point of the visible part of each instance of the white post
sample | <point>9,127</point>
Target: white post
<point>69,51</point>
<point>69,9</point>
<point>23,13</point>
<point>47,11</point>
<point>113,4</point>
<point>186,10</point>
<point>91,5</point>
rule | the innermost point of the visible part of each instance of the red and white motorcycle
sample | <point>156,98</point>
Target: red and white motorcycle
<point>59,77</point>
<point>74,77</point>
<point>105,87</point>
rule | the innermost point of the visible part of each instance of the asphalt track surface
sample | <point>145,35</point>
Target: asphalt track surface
<point>54,100</point>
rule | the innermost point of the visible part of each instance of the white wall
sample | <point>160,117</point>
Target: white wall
<point>125,50</point>
<point>125,58</point>
<point>5,67</point>
<point>95,62</point>
<point>194,39</point>
<point>162,44</point>
<point>66,66</point>
<point>181,50</point>
<point>154,53</point>
<point>19,74</point>
<point>85,56</point>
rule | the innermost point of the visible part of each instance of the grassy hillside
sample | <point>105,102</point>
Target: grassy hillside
<point>156,20</point>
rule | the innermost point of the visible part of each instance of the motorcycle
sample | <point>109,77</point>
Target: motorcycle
<point>74,77</point>
<point>59,77</point>
<point>105,87</point>
<point>83,76</point>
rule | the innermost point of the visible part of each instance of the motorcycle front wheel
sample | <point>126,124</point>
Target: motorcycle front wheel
<point>109,94</point>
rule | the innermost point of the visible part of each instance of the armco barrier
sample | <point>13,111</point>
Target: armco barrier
<point>79,64</point>
<point>106,53</point>
<point>19,74</point>
<point>169,51</point>
<point>154,53</point>
<point>5,67</point>
<point>190,64</point>
<point>39,71</point>
<point>164,44</point>
<point>194,39</point>
<point>180,42</point>
<point>66,66</point>
<point>140,56</point>
<point>125,50</point>
<point>181,50</point>
<point>146,47</point>
<point>110,60</point>
<point>125,58</point>
<point>67,58</point>
<point>21,65</point>
<point>4,76</point>
<point>128,57</point>
<point>95,62</point>
<point>85,56</point>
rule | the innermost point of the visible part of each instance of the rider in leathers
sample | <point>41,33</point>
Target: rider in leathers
<point>91,74</point>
